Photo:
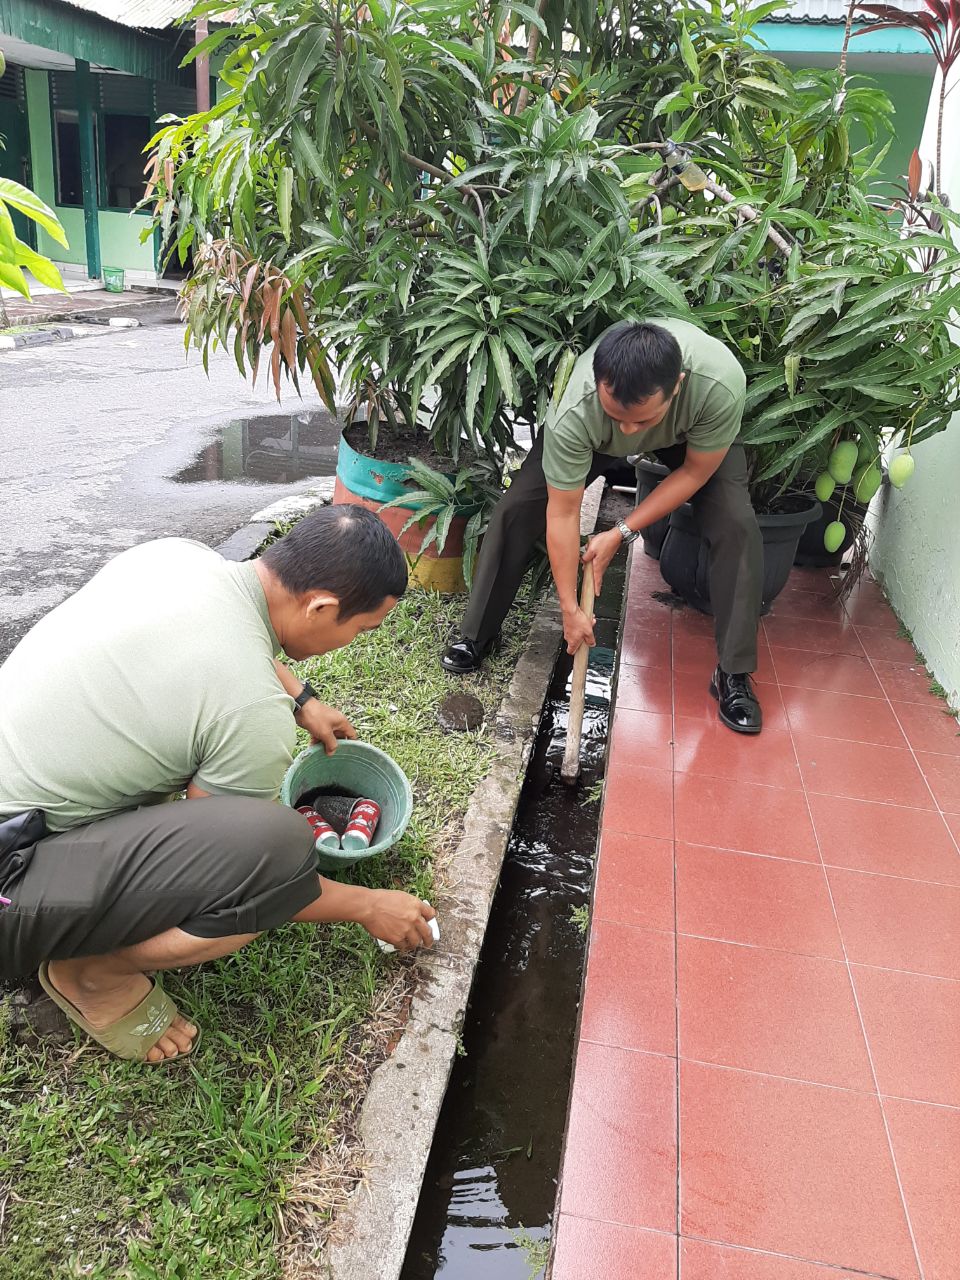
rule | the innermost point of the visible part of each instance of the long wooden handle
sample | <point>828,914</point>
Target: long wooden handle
<point>578,686</point>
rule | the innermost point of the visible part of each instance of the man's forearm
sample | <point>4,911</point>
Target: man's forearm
<point>290,683</point>
<point>672,492</point>
<point>563,548</point>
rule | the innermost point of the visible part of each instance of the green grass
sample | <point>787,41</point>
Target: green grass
<point>212,1167</point>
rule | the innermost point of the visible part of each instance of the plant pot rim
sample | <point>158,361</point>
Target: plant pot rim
<point>780,519</point>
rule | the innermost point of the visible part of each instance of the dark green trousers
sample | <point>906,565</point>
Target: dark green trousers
<point>727,522</point>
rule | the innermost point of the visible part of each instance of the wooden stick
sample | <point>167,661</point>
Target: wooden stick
<point>570,768</point>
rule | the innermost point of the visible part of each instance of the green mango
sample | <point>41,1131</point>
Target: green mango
<point>834,534</point>
<point>901,469</point>
<point>669,214</point>
<point>866,451</point>
<point>842,461</point>
<point>866,482</point>
<point>825,486</point>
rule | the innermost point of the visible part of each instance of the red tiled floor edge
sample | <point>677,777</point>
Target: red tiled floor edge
<point>770,1028</point>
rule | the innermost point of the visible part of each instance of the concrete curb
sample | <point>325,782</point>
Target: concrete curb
<point>42,337</point>
<point>406,1092</point>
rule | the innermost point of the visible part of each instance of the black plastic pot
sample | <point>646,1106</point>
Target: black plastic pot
<point>811,553</point>
<point>683,555</point>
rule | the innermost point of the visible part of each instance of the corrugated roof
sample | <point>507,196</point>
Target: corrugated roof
<point>146,15</point>
<point>831,10</point>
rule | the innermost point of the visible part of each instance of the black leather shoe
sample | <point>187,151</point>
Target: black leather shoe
<point>739,706</point>
<point>462,656</point>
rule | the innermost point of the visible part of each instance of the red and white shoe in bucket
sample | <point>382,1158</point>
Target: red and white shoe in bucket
<point>360,830</point>
<point>324,836</point>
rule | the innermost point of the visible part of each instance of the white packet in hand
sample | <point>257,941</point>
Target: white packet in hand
<point>433,925</point>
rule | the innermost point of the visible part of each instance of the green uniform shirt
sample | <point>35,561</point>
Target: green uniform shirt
<point>705,414</point>
<point>158,671</point>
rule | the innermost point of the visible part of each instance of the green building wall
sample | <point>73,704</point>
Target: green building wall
<point>119,232</point>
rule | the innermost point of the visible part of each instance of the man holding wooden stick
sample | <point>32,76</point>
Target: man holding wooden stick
<point>661,387</point>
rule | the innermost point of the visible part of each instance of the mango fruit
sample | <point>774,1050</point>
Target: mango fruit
<point>834,534</point>
<point>866,482</point>
<point>825,486</point>
<point>865,451</point>
<point>842,461</point>
<point>669,214</point>
<point>901,469</point>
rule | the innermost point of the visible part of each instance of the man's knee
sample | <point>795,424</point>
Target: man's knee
<point>255,827</point>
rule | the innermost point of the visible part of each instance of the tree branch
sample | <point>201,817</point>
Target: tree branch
<point>533,44</point>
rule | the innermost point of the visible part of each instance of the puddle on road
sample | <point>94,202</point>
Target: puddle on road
<point>269,449</point>
<point>486,1208</point>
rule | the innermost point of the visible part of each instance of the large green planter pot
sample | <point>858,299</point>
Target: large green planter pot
<point>362,770</point>
<point>370,483</point>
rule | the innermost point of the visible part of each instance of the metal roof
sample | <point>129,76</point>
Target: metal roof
<point>145,15</point>
<point>832,11</point>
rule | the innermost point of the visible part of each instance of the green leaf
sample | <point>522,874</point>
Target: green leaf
<point>307,55</point>
<point>532,197</point>
<point>504,372</point>
<point>659,283</point>
<point>13,278</point>
<point>687,53</point>
<point>599,287</point>
<point>20,198</point>
<point>475,380</point>
<point>41,268</point>
<point>791,364</point>
<point>285,200</point>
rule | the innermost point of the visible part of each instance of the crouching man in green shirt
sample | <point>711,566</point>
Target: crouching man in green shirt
<point>665,388</point>
<point>157,676</point>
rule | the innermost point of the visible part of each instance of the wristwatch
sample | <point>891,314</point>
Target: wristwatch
<point>305,694</point>
<point>626,533</point>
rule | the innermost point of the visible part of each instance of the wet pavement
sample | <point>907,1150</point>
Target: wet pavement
<point>91,432</point>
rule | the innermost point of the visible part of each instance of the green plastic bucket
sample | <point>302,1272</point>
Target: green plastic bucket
<point>365,771</point>
<point>113,279</point>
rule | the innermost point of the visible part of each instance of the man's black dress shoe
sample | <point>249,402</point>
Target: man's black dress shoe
<point>739,707</point>
<point>462,656</point>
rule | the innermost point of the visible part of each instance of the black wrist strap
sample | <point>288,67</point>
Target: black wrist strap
<point>305,694</point>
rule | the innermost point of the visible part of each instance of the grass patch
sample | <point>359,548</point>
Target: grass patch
<point>213,1166</point>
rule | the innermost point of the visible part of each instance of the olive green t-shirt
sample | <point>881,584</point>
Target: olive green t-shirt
<point>705,414</point>
<point>158,671</point>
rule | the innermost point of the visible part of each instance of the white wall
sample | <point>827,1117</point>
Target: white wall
<point>916,553</point>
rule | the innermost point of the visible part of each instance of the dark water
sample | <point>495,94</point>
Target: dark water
<point>274,448</point>
<point>492,1176</point>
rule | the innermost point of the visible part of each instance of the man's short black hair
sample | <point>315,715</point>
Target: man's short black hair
<point>344,549</point>
<point>636,361</point>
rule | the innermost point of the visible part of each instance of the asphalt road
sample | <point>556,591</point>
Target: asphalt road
<point>91,430</point>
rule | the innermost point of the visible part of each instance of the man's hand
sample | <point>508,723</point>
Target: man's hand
<point>600,550</point>
<point>324,724</point>
<point>397,918</point>
<point>578,630</point>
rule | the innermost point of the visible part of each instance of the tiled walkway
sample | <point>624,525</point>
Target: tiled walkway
<point>767,1083</point>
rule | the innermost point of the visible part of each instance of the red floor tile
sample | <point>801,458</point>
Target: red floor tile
<point>629,995</point>
<point>905,682</point>
<point>638,801</point>
<point>764,902</point>
<point>879,643</point>
<point>644,689</point>
<point>769,1011</point>
<point>789,1167</point>
<point>953,822</point>
<point>898,924</point>
<point>647,619</point>
<point>839,672</point>
<point>885,838</point>
<point>642,739</point>
<point>913,1029</point>
<point>943,774</point>
<point>867,611</point>
<point>586,1247</point>
<point>694,653</point>
<point>926,1145</point>
<point>635,881</point>
<point>702,1261</point>
<point>822,582</point>
<point>805,604</point>
<point>842,715</point>
<point>929,728</point>
<point>689,622</point>
<point>645,648</point>
<point>743,816</point>
<point>620,1161</point>
<point>709,748</point>
<point>862,771</point>
<point>825,637</point>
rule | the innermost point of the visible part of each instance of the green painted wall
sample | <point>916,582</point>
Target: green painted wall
<point>910,95</point>
<point>119,232</point>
